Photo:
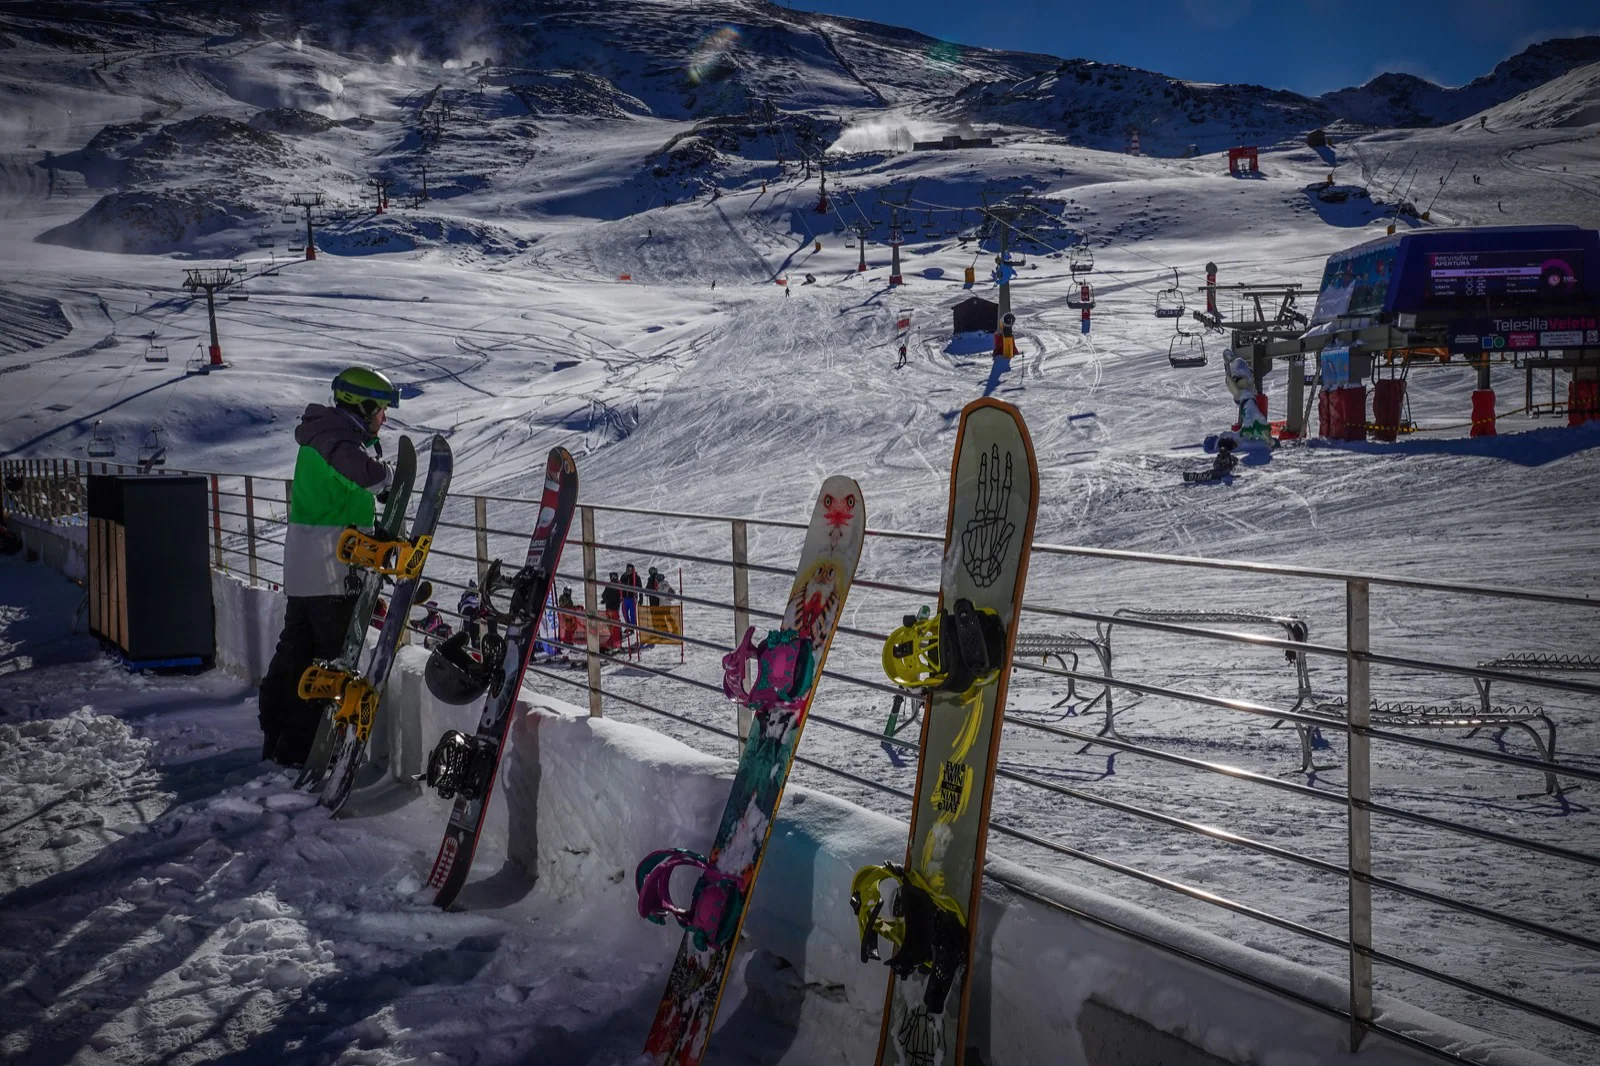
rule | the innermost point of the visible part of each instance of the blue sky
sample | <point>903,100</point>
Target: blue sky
<point>1309,46</point>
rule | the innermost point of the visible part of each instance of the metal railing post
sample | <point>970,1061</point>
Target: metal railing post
<point>480,525</point>
<point>250,522</point>
<point>216,523</point>
<point>741,606</point>
<point>591,611</point>
<point>1359,702</point>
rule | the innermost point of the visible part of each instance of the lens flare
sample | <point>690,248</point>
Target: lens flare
<point>711,59</point>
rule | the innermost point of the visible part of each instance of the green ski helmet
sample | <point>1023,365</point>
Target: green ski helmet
<point>365,389</point>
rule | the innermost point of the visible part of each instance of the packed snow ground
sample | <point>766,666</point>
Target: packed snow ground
<point>700,385</point>
<point>169,898</point>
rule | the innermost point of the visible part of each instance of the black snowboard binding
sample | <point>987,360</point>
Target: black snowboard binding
<point>927,926</point>
<point>952,652</point>
<point>460,765</point>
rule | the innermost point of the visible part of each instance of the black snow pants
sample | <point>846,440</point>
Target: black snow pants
<point>313,628</point>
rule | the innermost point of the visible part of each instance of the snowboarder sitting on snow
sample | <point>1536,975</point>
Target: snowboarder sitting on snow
<point>1225,461</point>
<point>336,484</point>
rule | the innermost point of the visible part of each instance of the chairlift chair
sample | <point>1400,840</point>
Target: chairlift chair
<point>237,267</point>
<point>1076,295</point>
<point>1187,350</point>
<point>102,445</point>
<point>1169,302</point>
<point>238,292</point>
<point>1081,259</point>
<point>297,245</point>
<point>155,353</point>
<point>152,450</point>
<point>264,240</point>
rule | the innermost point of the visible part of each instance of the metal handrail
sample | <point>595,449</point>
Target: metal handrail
<point>1359,657</point>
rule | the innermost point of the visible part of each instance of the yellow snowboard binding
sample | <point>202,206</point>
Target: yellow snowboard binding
<point>402,559</point>
<point>928,926</point>
<point>951,652</point>
<point>357,699</point>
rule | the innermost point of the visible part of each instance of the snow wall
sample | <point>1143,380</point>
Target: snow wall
<point>582,799</point>
<point>63,548</point>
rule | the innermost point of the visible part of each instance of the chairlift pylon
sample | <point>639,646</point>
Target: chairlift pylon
<point>152,449</point>
<point>155,353</point>
<point>102,445</point>
<point>1169,302</point>
<point>1080,260</point>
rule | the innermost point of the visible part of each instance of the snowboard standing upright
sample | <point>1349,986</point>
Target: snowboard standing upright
<point>683,1022</point>
<point>352,727</point>
<point>465,766</point>
<point>390,524</point>
<point>994,490</point>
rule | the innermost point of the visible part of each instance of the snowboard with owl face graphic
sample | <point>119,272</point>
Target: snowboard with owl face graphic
<point>683,1022</point>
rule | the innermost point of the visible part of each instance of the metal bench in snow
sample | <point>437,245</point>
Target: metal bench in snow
<point>1396,714</point>
<point>1064,646</point>
<point>1485,715</point>
<point>1058,647</point>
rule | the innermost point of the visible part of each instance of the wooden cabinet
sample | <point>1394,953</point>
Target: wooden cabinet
<point>149,579</point>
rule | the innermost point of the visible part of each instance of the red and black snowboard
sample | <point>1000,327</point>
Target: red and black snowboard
<point>464,766</point>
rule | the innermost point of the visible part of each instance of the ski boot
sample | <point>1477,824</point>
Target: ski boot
<point>953,652</point>
<point>401,559</point>
<point>928,927</point>
<point>357,699</point>
<point>785,670</point>
<point>714,911</point>
<point>460,765</point>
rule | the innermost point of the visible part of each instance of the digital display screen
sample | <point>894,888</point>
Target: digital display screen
<point>1528,276</point>
<point>1356,284</point>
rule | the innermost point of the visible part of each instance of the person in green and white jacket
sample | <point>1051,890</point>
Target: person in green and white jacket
<point>339,476</point>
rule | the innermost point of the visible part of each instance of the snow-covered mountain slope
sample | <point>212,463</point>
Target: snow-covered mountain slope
<point>696,383</point>
<point>1097,104</point>
<point>1571,101</point>
<point>1390,100</point>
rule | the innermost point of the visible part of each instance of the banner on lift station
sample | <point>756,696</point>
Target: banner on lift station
<point>1524,333</point>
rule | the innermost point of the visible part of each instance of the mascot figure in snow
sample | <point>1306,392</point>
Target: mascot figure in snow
<point>1242,383</point>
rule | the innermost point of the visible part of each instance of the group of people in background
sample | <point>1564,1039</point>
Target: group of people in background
<point>619,602</point>
<point>619,606</point>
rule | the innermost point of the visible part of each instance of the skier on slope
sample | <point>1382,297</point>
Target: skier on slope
<point>337,482</point>
<point>611,609</point>
<point>630,595</point>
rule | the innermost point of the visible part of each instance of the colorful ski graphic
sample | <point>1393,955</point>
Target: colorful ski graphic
<point>790,663</point>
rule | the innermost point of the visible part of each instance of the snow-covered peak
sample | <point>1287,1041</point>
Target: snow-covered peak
<point>1405,100</point>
